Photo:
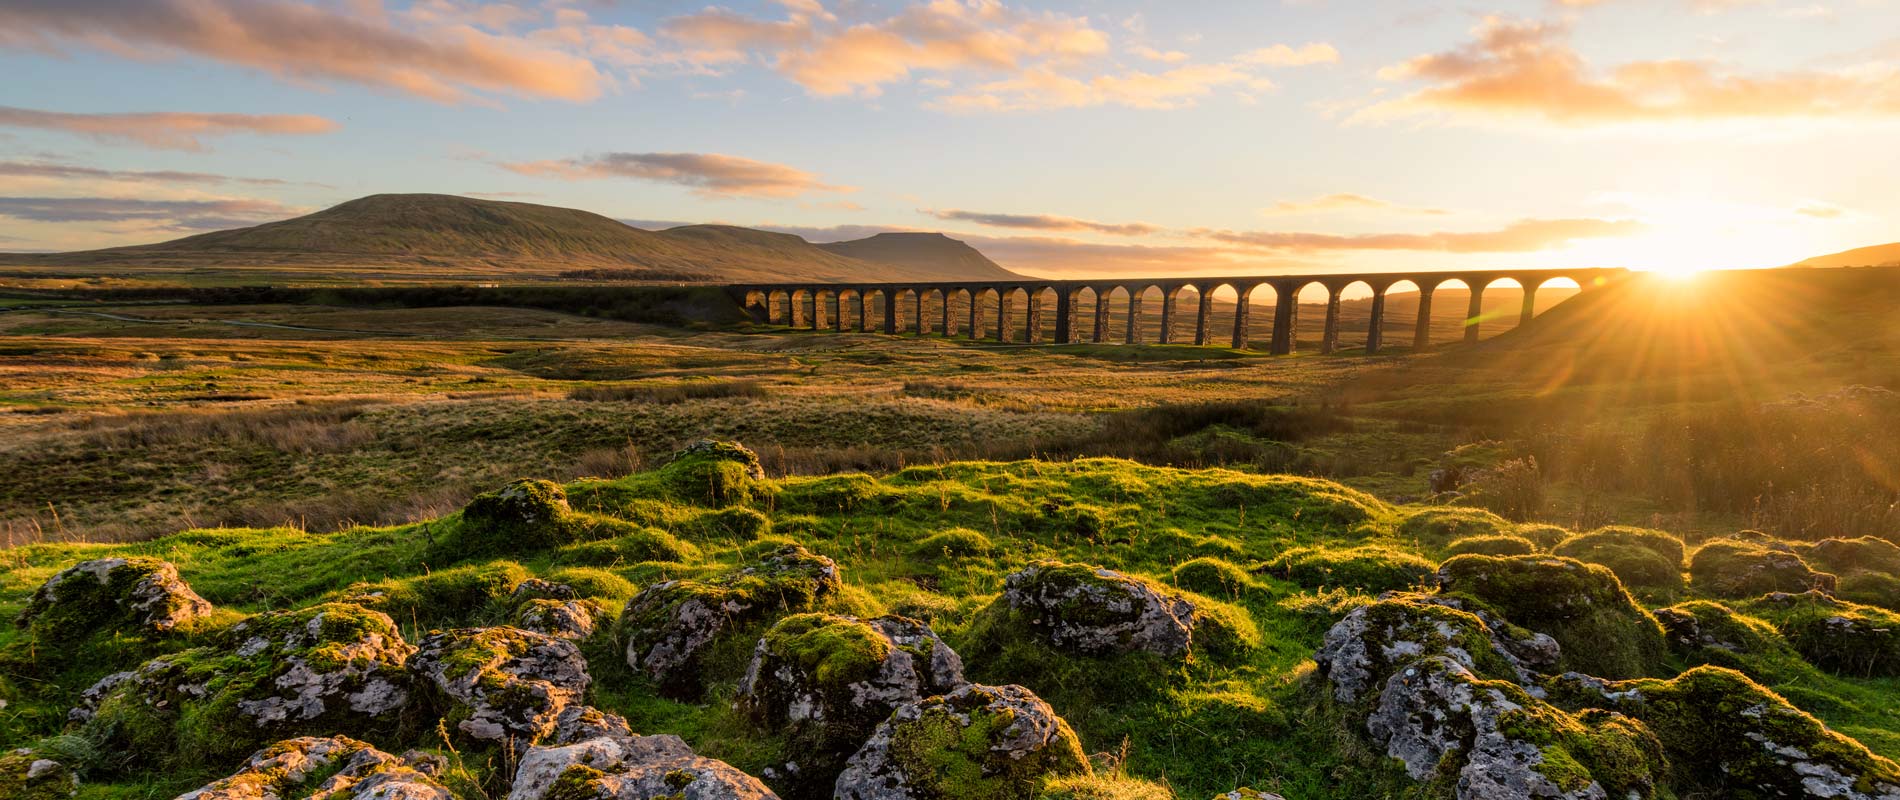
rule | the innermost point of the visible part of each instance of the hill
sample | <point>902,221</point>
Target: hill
<point>442,237</point>
<point>1880,255</point>
<point>929,253</point>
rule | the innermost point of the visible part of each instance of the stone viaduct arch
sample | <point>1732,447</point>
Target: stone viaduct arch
<point>1018,311</point>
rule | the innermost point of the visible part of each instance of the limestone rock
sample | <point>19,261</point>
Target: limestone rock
<point>351,770</point>
<point>137,595</point>
<point>314,669</point>
<point>26,774</point>
<point>538,589</point>
<point>977,741</point>
<point>580,723</point>
<point>630,768</point>
<point>1097,611</point>
<point>827,681</point>
<point>1244,793</point>
<point>1584,607</point>
<point>1732,568</point>
<point>514,683</point>
<point>1374,640</point>
<point>562,619</point>
<point>668,626</point>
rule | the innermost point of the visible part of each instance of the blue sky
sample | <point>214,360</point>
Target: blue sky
<point>1063,138</point>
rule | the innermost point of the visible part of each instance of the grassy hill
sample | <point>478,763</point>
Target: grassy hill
<point>1882,255</point>
<point>428,237</point>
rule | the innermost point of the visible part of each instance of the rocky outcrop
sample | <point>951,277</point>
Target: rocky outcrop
<point>329,768</point>
<point>1097,611</point>
<point>826,682</point>
<point>332,666</point>
<point>1732,568</point>
<point>133,595</point>
<point>580,723</point>
<point>1371,642</point>
<point>513,684</point>
<point>1434,713</point>
<point>669,625</point>
<point>26,774</point>
<point>996,742</point>
<point>1600,627</point>
<point>562,619</point>
<point>630,768</point>
<point>1729,737</point>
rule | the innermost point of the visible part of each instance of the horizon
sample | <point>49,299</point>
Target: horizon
<point>1061,140</point>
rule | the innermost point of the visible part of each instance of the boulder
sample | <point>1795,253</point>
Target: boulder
<point>561,619</point>
<point>1435,716</point>
<point>997,742</point>
<point>668,626</point>
<point>1583,606</point>
<point>580,723</point>
<point>1731,568</point>
<point>1702,628</point>
<point>1728,736</point>
<point>1097,611</point>
<point>26,774</point>
<point>630,768</point>
<point>1372,641</point>
<point>1370,568</point>
<point>1643,558</point>
<point>312,670</point>
<point>513,684</point>
<point>827,681</point>
<point>1244,793</point>
<point>326,768</point>
<point>1844,556</point>
<point>538,589</point>
<point>1836,635</point>
<point>134,595</point>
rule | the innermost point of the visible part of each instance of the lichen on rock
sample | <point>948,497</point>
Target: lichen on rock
<point>313,670</point>
<point>1371,642</point>
<point>1734,568</point>
<point>26,774</point>
<point>1835,635</point>
<point>630,768</point>
<point>502,683</point>
<point>325,768</point>
<point>1098,611</point>
<point>562,619</point>
<point>993,742</point>
<point>669,626</point>
<point>826,681</point>
<point>135,595</point>
<point>1583,606</point>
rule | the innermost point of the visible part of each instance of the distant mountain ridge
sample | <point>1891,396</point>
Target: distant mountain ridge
<point>463,238</point>
<point>1880,255</point>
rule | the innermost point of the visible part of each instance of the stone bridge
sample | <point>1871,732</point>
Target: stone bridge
<point>827,306</point>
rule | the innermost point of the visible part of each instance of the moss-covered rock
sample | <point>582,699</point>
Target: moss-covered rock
<point>526,516</point>
<point>1870,588</point>
<point>1728,736</point>
<point>1492,740</point>
<point>1109,787</point>
<point>1583,606</point>
<point>714,473</point>
<point>955,543</point>
<point>1370,568</point>
<point>1096,611</point>
<point>636,546</point>
<point>1836,635</point>
<point>561,619</point>
<point>826,681</point>
<point>1641,558</point>
<point>1437,526</point>
<point>978,742</point>
<point>501,683</point>
<point>456,595</point>
<point>630,768</point>
<point>141,596</point>
<point>325,768</point>
<point>26,774</point>
<point>1545,536</point>
<point>668,626</point>
<point>329,667</point>
<point>1733,568</point>
<point>1847,556</point>
<point>1213,577</point>
<point>1697,627</point>
<point>1373,641</point>
<point>1496,545</point>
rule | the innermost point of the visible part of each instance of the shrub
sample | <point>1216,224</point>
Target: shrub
<point>1513,489</point>
<point>1502,545</point>
<point>1371,568</point>
<point>1437,526</point>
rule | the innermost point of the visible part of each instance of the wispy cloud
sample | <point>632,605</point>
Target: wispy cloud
<point>710,174</point>
<point>448,59</point>
<point>174,130</point>
<point>177,215</point>
<point>1043,222</point>
<point>1523,236</point>
<point>61,171</point>
<point>1528,69</point>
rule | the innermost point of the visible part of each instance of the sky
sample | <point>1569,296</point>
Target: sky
<point>1087,138</point>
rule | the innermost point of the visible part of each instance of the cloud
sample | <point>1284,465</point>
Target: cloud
<point>1344,202</point>
<point>173,130</point>
<point>1043,222</point>
<point>59,171</point>
<point>1523,236</point>
<point>176,215</point>
<point>1821,211</point>
<point>442,59</point>
<point>710,174</point>
<point>829,57</point>
<point>1281,55</point>
<point>1527,69</point>
<point>1044,88</point>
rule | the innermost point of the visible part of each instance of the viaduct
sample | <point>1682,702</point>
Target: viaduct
<point>828,306</point>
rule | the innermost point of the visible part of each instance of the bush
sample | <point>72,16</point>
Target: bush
<point>1502,545</point>
<point>1371,568</point>
<point>1513,489</point>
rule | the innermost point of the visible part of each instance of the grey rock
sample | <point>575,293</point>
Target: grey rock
<point>356,771</point>
<point>1120,614</point>
<point>1017,757</point>
<point>514,683</point>
<point>631,768</point>
<point>153,598</point>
